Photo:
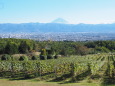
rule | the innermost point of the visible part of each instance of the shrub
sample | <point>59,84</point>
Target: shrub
<point>81,50</point>
<point>34,58</point>
<point>23,58</point>
<point>42,57</point>
<point>50,57</point>
<point>56,56</point>
<point>6,57</point>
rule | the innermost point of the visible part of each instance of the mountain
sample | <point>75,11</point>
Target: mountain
<point>55,27</point>
<point>60,20</point>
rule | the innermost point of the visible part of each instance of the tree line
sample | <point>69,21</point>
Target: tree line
<point>65,48</point>
<point>16,46</point>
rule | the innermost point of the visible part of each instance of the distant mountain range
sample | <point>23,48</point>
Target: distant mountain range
<point>55,27</point>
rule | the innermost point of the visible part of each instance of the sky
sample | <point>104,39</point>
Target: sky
<point>45,11</point>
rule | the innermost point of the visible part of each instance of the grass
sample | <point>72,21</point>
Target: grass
<point>37,82</point>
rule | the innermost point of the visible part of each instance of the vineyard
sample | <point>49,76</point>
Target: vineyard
<point>76,68</point>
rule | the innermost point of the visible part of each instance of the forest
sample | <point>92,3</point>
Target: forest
<point>23,46</point>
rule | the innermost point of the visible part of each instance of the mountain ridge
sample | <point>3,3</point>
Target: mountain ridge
<point>55,27</point>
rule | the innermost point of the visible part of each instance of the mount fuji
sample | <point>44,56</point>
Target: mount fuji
<point>60,21</point>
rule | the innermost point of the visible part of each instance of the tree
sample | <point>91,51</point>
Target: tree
<point>43,54</point>
<point>11,48</point>
<point>23,47</point>
<point>90,45</point>
<point>35,47</point>
<point>2,48</point>
<point>102,49</point>
<point>81,50</point>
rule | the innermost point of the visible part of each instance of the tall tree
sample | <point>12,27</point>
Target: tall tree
<point>23,47</point>
<point>11,48</point>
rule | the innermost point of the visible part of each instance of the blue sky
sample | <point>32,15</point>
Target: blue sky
<point>44,11</point>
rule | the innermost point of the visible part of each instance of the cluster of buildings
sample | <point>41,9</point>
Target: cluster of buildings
<point>62,36</point>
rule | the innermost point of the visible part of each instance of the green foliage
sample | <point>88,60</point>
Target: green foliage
<point>43,57</point>
<point>75,68</point>
<point>110,45</point>
<point>2,47</point>
<point>65,48</point>
<point>56,57</point>
<point>16,46</point>
<point>23,58</point>
<point>35,46</point>
<point>102,49</point>
<point>6,57</point>
<point>50,57</point>
<point>35,58</point>
<point>81,50</point>
<point>23,47</point>
<point>43,52</point>
<point>11,48</point>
